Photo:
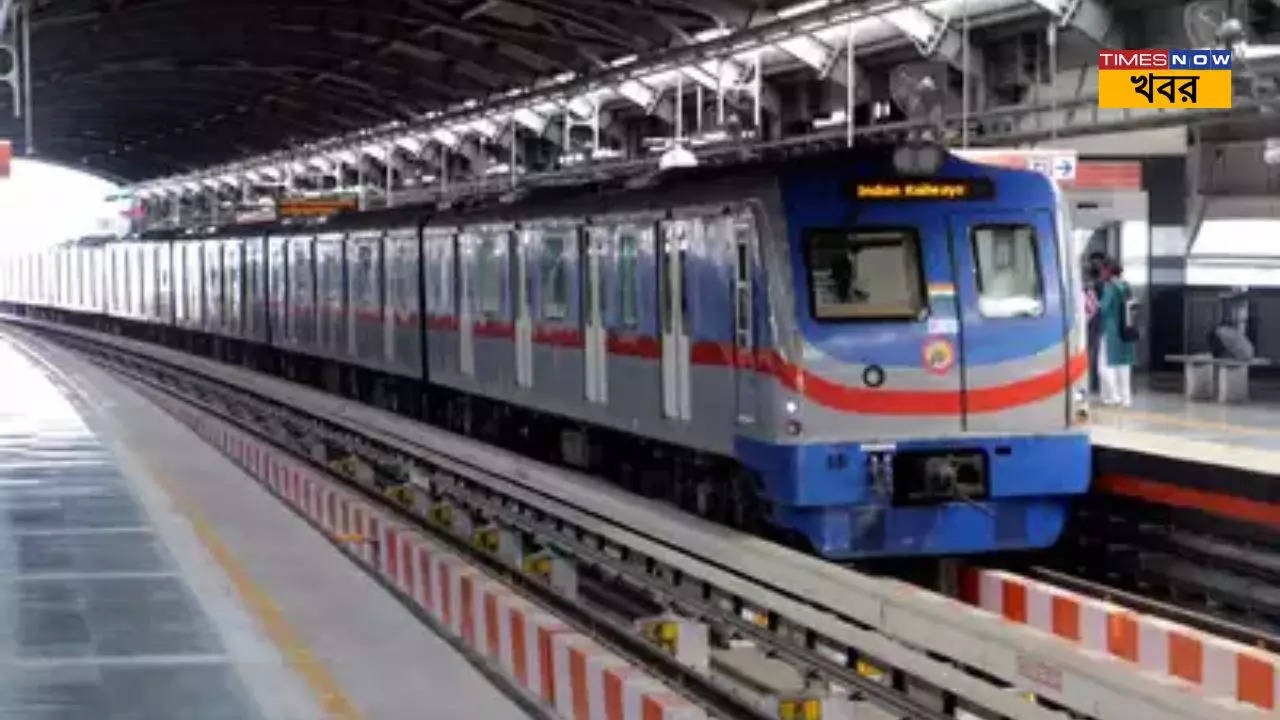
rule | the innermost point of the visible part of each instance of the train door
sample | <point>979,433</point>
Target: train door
<point>404,339</point>
<point>331,295</point>
<point>366,329</point>
<point>464,258</point>
<point>301,273</point>
<point>594,334</point>
<point>164,282</point>
<point>279,319</point>
<point>523,320</point>
<point>233,287</point>
<point>676,395</point>
<point>1013,330</point>
<point>746,380</point>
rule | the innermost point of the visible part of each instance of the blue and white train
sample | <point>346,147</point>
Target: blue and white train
<point>875,352</point>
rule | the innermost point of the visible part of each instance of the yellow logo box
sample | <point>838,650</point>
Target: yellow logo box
<point>1200,89</point>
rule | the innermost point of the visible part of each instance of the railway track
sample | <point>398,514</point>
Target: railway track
<point>881,644</point>
<point>1222,576</point>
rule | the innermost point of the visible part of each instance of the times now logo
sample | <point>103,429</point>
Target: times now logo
<point>1195,60</point>
<point>1133,59</point>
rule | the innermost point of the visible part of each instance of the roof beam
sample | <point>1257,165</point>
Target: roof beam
<point>934,37</point>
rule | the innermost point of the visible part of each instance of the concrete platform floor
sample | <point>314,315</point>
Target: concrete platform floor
<point>142,575</point>
<point>1255,425</point>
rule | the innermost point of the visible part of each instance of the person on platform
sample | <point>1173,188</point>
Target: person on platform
<point>1093,285</point>
<point>1116,352</point>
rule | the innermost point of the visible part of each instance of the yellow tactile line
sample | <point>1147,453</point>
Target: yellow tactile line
<point>333,701</point>
<point>1156,418</point>
<point>258,601</point>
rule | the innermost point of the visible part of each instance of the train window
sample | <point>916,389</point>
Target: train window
<point>332,276</point>
<point>440,292</point>
<point>404,266</point>
<point>865,274</point>
<point>1008,271</point>
<point>491,273</point>
<point>628,283</point>
<point>362,291</point>
<point>301,274</point>
<point>555,278</point>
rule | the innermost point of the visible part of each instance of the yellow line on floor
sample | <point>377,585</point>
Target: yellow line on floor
<point>1108,416</point>
<point>333,700</point>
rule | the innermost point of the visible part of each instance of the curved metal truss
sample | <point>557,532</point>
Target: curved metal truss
<point>143,87</point>
<point>241,97</point>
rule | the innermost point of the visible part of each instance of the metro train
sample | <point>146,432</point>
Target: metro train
<point>868,353</point>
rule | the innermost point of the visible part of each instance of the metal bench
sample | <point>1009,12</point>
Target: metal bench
<point>1211,378</point>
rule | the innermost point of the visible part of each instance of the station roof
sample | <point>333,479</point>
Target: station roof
<point>138,88</point>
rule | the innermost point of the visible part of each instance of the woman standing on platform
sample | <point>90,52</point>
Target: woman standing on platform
<point>1118,347</point>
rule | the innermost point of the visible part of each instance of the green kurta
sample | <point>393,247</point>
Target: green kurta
<point>1111,308</point>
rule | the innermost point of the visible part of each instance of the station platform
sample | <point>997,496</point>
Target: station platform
<point>1254,425</point>
<point>1221,462</point>
<point>143,575</point>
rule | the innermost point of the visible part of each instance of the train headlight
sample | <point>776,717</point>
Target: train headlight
<point>1079,406</point>
<point>918,159</point>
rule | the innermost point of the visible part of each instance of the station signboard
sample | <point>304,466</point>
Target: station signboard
<point>1064,167</point>
<point>1060,165</point>
<point>316,207</point>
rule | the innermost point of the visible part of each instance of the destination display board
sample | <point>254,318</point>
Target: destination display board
<point>937,189</point>
<point>317,207</point>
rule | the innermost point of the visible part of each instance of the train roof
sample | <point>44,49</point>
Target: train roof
<point>710,183</point>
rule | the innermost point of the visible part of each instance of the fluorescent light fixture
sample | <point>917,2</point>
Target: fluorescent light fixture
<point>913,22</point>
<point>707,138</point>
<point>802,8</point>
<point>1055,7</point>
<point>486,127</point>
<point>637,92</point>
<point>545,107</point>
<point>704,75</point>
<point>711,34</point>
<point>835,118</point>
<point>806,49</point>
<point>410,144</point>
<point>531,120</point>
<point>581,107</point>
<point>445,137</point>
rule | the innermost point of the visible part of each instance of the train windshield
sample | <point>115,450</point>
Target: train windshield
<point>1008,271</point>
<point>865,274</point>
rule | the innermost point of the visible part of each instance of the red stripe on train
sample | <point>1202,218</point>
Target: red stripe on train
<point>835,395</point>
<point>558,336</point>
<point>641,346</point>
<point>494,329</point>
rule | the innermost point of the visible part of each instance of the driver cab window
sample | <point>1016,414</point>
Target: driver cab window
<point>1008,271</point>
<point>865,274</point>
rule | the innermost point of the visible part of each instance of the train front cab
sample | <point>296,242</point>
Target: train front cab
<point>931,407</point>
